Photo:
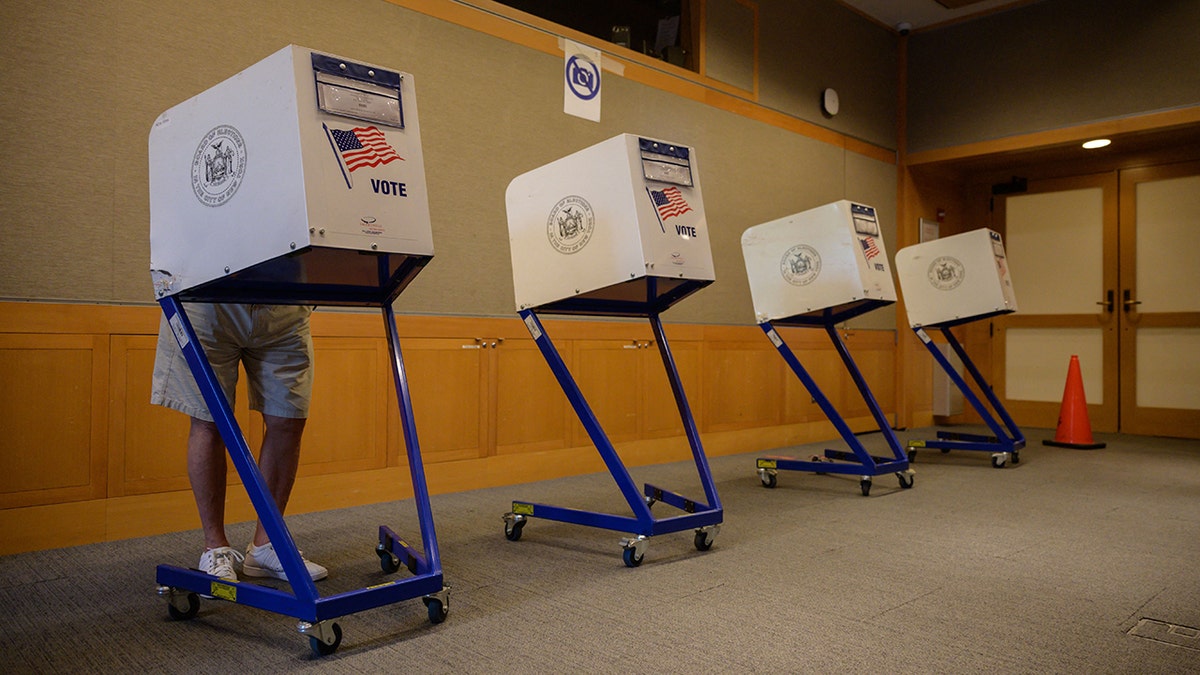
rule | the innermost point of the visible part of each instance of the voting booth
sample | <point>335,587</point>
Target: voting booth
<point>616,229</point>
<point>948,282</point>
<point>817,268</point>
<point>299,180</point>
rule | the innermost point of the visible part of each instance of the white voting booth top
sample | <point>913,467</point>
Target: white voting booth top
<point>302,175</point>
<point>955,279</point>
<point>819,266</point>
<point>616,228</point>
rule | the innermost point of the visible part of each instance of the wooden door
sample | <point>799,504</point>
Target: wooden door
<point>1061,241</point>
<point>1158,301</point>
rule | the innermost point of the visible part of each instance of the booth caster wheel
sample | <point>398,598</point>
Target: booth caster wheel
<point>631,557</point>
<point>912,456</point>
<point>323,637</point>
<point>388,562</point>
<point>1016,457</point>
<point>865,484</point>
<point>181,605</point>
<point>635,550</point>
<point>513,524</point>
<point>999,460</point>
<point>705,536</point>
<point>768,477</point>
<point>906,479</point>
<point>438,607</point>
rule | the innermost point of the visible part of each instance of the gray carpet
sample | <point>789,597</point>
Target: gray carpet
<point>1073,561</point>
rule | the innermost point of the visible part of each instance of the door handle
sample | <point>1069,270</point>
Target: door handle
<point>1127,301</point>
<point>1107,303</point>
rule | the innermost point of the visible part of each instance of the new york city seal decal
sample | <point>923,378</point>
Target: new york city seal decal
<point>570,224</point>
<point>800,265</point>
<point>219,165</point>
<point>946,273</point>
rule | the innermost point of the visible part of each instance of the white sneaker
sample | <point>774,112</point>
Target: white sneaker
<point>262,561</point>
<point>219,562</point>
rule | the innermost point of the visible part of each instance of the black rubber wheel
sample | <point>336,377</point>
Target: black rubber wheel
<point>768,480</point>
<point>945,451</point>
<point>193,608</point>
<point>866,487</point>
<point>512,531</point>
<point>906,480</point>
<point>912,456</point>
<point>388,562</point>
<point>998,462</point>
<point>703,543</point>
<point>632,559</point>
<point>437,610</point>
<point>1016,457</point>
<point>320,648</point>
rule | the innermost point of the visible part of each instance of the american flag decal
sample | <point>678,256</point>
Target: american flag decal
<point>669,202</point>
<point>870,250</point>
<point>363,146</point>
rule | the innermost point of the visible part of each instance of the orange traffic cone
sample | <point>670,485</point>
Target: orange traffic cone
<point>1074,430</point>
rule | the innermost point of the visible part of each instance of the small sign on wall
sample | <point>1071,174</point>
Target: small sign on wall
<point>581,81</point>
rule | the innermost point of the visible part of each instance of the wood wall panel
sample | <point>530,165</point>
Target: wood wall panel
<point>743,385</point>
<point>53,390</point>
<point>447,379</point>
<point>147,443</point>
<point>608,373</point>
<point>661,414</point>
<point>347,427</point>
<point>532,413</point>
<point>486,415</point>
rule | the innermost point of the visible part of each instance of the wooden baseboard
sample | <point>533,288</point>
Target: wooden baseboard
<point>77,523</point>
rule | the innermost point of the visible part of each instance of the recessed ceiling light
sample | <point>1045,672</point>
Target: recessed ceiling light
<point>1096,143</point>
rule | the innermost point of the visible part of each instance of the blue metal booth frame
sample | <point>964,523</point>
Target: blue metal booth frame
<point>646,298</point>
<point>858,461</point>
<point>378,280</point>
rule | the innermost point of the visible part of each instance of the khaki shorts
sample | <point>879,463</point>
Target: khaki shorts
<point>272,342</point>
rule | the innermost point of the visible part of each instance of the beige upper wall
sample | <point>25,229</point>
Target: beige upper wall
<point>90,79</point>
<point>808,46</point>
<point>1049,65</point>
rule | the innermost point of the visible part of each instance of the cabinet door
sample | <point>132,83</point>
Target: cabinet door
<point>448,380</point>
<point>661,414</point>
<point>347,423</point>
<point>52,408</point>
<point>609,373</point>
<point>532,413</point>
<point>729,401</point>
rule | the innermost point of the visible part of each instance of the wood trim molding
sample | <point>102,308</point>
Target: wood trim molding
<point>1040,139</point>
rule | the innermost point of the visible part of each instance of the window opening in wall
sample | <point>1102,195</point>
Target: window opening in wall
<point>660,29</point>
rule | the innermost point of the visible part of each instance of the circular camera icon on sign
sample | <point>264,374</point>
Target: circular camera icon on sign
<point>583,77</point>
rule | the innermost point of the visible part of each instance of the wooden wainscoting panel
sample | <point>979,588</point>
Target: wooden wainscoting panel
<point>874,353</point>
<point>53,393</point>
<point>609,375</point>
<point>447,379</point>
<point>347,423</point>
<point>147,443</point>
<point>743,385</point>
<point>532,413</point>
<point>661,413</point>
